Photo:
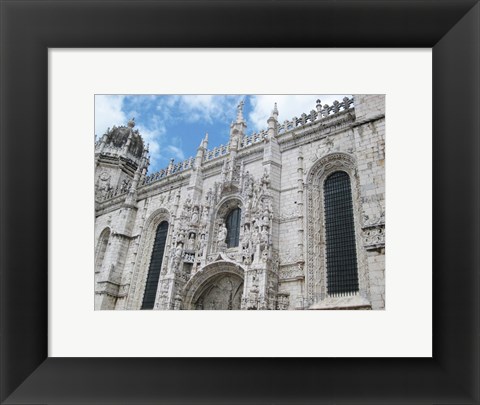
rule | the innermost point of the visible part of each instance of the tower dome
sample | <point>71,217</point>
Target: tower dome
<point>126,137</point>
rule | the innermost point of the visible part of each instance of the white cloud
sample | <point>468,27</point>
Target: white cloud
<point>207,107</point>
<point>177,152</point>
<point>289,106</point>
<point>108,112</point>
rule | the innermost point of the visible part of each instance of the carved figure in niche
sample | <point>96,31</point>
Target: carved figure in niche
<point>222,233</point>
<point>247,245</point>
<point>266,214</point>
<point>209,198</point>
<point>180,235</point>
<point>264,236</point>
<point>177,256</point>
<point>257,188</point>
<point>195,216</point>
<point>265,254</point>
<point>202,243</point>
<point>249,186</point>
<point>253,294</point>
<point>224,171</point>
<point>265,181</point>
<point>205,215</point>
<point>191,242</point>
<point>218,190</point>
<point>256,236</point>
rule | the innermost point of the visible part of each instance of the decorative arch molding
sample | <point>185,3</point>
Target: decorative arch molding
<point>223,208</point>
<point>196,285</point>
<point>105,230</point>
<point>147,239</point>
<point>315,242</point>
<point>226,204</point>
<point>101,249</point>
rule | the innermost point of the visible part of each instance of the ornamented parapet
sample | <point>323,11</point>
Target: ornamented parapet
<point>171,169</point>
<point>253,139</point>
<point>216,152</point>
<point>314,116</point>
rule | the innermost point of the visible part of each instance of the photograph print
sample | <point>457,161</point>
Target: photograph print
<point>239,202</point>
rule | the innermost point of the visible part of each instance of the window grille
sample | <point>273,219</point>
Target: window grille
<point>233,227</point>
<point>155,266</point>
<point>342,273</point>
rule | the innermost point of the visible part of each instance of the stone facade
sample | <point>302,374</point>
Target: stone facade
<point>276,178</point>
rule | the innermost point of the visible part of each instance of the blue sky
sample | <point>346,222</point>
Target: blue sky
<point>174,125</point>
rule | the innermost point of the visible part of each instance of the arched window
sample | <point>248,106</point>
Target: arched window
<point>155,266</point>
<point>342,273</point>
<point>101,249</point>
<point>233,227</point>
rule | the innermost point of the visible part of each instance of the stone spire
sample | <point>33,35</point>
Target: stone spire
<point>196,179</point>
<point>240,112</point>
<point>272,121</point>
<point>275,112</point>
<point>238,128</point>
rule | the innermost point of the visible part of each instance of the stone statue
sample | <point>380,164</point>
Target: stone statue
<point>222,233</point>
<point>201,245</point>
<point>265,181</point>
<point>205,215</point>
<point>191,242</point>
<point>195,216</point>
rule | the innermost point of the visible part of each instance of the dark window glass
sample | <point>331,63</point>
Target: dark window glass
<point>233,227</point>
<point>342,274</point>
<point>155,266</point>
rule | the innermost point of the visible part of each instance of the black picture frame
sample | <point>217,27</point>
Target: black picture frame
<point>450,28</point>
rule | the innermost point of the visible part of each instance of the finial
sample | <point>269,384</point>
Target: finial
<point>240,111</point>
<point>131,123</point>
<point>275,111</point>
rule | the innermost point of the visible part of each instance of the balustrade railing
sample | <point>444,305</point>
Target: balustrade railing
<point>172,168</point>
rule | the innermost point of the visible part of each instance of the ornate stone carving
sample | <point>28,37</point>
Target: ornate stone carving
<point>283,301</point>
<point>291,271</point>
<point>374,237</point>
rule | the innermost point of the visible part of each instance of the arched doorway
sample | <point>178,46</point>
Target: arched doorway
<point>222,292</point>
<point>218,286</point>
